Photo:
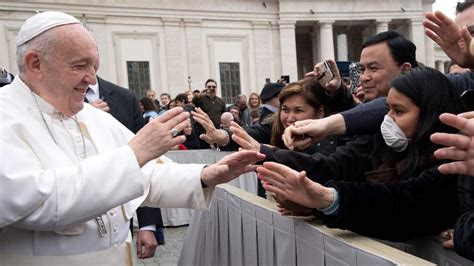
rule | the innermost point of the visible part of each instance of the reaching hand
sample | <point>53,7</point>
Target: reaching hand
<point>288,207</point>
<point>453,39</point>
<point>100,104</point>
<point>289,184</point>
<point>461,146</point>
<point>146,244</point>
<point>244,140</point>
<point>303,133</point>
<point>156,137</point>
<point>213,135</point>
<point>230,167</point>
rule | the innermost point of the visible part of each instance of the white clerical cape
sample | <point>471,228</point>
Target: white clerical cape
<point>49,199</point>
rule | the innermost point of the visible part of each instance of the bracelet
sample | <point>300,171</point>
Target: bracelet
<point>334,207</point>
<point>227,132</point>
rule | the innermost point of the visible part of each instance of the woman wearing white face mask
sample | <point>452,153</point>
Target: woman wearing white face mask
<point>406,191</point>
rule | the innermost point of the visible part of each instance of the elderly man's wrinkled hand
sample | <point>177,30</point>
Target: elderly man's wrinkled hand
<point>230,167</point>
<point>159,135</point>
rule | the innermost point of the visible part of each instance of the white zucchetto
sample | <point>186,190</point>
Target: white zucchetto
<point>42,22</point>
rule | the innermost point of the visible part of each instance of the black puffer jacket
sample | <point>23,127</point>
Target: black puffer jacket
<point>464,228</point>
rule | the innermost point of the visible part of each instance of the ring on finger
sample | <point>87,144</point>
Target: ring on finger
<point>174,132</point>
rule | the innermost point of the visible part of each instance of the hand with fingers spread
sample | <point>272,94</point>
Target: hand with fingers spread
<point>159,135</point>
<point>303,133</point>
<point>213,135</point>
<point>290,184</point>
<point>453,39</point>
<point>230,167</point>
<point>461,146</point>
<point>331,86</point>
<point>240,136</point>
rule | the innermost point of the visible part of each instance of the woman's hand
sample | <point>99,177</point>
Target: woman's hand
<point>286,183</point>
<point>244,140</point>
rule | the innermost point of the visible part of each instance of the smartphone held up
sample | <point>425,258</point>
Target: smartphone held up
<point>326,73</point>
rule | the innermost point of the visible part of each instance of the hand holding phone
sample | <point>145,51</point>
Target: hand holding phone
<point>326,73</point>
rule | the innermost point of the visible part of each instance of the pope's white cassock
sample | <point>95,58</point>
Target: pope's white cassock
<point>54,184</point>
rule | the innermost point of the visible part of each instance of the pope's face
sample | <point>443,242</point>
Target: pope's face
<point>68,68</point>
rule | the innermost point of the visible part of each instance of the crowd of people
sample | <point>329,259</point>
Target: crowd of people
<point>370,160</point>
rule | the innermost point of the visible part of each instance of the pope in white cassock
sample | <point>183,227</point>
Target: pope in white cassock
<point>71,176</point>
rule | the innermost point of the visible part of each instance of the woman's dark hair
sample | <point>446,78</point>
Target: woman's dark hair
<point>148,104</point>
<point>434,94</point>
<point>313,93</point>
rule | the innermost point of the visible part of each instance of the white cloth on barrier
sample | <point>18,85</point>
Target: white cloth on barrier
<point>180,216</point>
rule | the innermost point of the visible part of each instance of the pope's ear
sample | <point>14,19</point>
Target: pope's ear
<point>32,63</point>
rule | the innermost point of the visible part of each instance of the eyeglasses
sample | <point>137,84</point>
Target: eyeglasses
<point>211,87</point>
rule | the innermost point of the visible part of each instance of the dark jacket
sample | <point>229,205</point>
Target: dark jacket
<point>464,227</point>
<point>124,107</point>
<point>349,162</point>
<point>420,206</point>
<point>373,204</point>
<point>123,104</point>
<point>213,107</point>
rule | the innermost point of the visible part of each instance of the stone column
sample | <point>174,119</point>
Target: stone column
<point>263,54</point>
<point>417,36</point>
<point>440,66</point>
<point>194,52</point>
<point>326,41</point>
<point>382,25</point>
<point>342,47</point>
<point>315,44</point>
<point>288,49</point>
<point>175,67</point>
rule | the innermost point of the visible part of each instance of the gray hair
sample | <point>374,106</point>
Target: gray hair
<point>40,43</point>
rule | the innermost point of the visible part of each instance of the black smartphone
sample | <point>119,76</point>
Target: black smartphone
<point>286,78</point>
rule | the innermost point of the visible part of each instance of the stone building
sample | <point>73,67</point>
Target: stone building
<point>174,45</point>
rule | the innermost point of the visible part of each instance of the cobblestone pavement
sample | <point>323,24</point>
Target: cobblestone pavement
<point>168,254</point>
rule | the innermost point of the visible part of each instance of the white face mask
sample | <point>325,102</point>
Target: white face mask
<point>393,135</point>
